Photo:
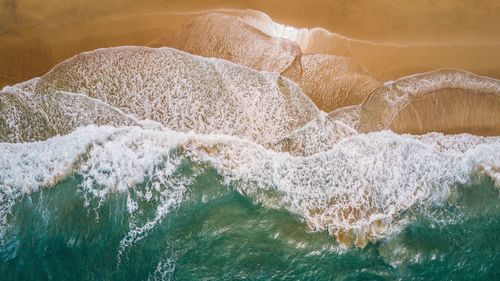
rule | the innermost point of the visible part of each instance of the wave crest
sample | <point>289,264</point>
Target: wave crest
<point>357,190</point>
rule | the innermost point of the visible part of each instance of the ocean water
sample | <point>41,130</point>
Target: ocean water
<point>139,163</point>
<point>217,233</point>
<point>141,204</point>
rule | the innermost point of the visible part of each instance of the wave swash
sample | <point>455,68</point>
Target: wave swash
<point>311,135</point>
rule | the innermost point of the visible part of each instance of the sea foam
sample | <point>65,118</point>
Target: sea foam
<point>185,92</point>
<point>357,190</point>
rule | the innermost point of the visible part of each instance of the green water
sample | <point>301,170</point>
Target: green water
<point>218,234</point>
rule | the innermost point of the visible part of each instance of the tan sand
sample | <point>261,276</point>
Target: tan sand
<point>446,101</point>
<point>409,36</point>
<point>330,81</point>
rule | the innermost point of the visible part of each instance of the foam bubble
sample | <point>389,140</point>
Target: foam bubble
<point>357,190</point>
<point>186,92</point>
<point>26,117</point>
<point>319,135</point>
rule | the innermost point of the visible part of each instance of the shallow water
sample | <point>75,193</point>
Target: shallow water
<point>230,145</point>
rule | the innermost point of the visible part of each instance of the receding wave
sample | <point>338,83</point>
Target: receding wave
<point>253,150</point>
<point>258,130</point>
<point>228,37</point>
<point>330,81</point>
<point>354,185</point>
<point>185,92</point>
<point>385,60</point>
<point>447,101</point>
<point>26,117</point>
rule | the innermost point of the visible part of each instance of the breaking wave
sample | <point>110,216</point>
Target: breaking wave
<point>313,135</point>
<point>357,190</point>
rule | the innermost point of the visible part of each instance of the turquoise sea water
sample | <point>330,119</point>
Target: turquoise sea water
<point>138,163</point>
<point>218,233</point>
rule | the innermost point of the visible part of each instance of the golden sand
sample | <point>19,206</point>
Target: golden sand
<point>390,38</point>
<point>339,53</point>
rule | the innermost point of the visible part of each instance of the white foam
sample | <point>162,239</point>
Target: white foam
<point>28,117</point>
<point>319,135</point>
<point>360,186</point>
<point>380,109</point>
<point>26,167</point>
<point>186,92</point>
<point>360,181</point>
<point>446,78</point>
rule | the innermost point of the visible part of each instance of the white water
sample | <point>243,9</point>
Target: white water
<point>360,186</point>
<point>261,133</point>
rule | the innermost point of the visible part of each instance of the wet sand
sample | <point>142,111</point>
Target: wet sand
<point>390,39</point>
